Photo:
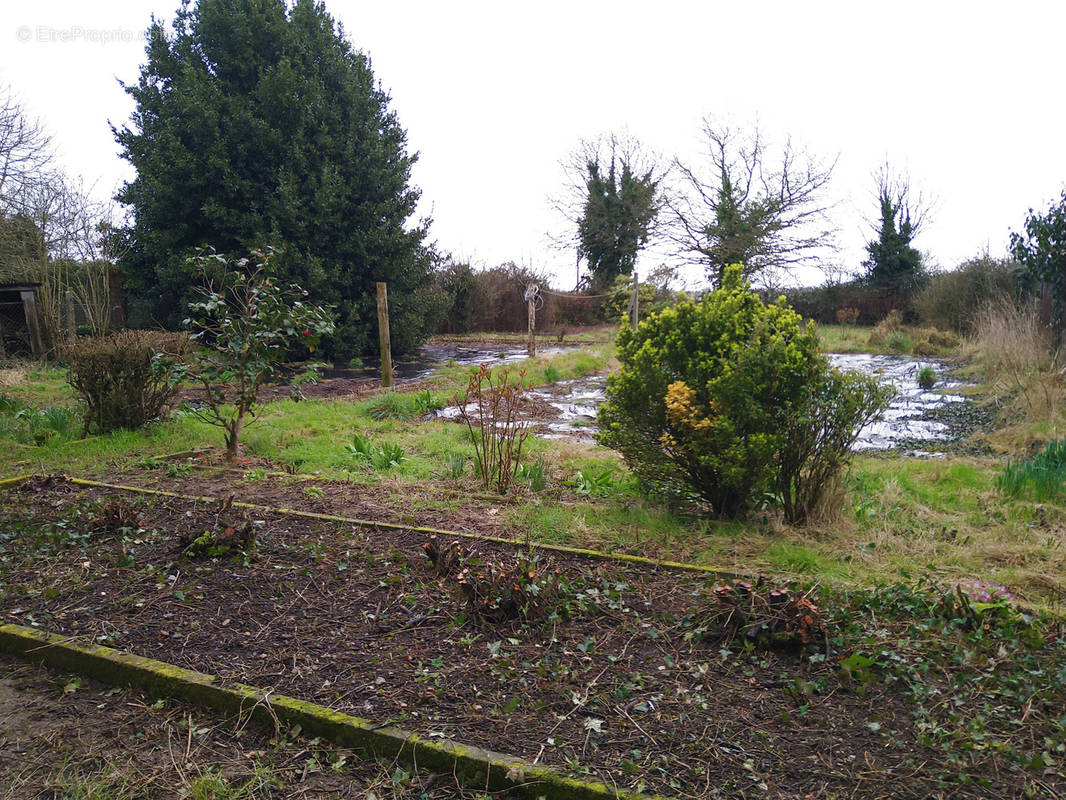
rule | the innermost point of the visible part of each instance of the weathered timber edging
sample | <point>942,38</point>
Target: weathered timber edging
<point>367,523</point>
<point>473,767</point>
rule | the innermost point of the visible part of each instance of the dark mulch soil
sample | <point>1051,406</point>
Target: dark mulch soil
<point>605,680</point>
<point>63,736</point>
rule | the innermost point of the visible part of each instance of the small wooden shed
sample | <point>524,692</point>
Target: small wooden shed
<point>20,323</point>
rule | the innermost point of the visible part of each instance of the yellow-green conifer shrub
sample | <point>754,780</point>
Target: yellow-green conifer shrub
<point>710,397</point>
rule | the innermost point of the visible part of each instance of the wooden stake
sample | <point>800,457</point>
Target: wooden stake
<point>383,335</point>
<point>531,298</point>
<point>33,321</point>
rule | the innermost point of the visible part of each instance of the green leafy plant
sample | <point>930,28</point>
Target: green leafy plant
<point>594,484</point>
<point>42,425</point>
<point>533,474</point>
<point>127,379</point>
<point>388,456</point>
<point>927,378</point>
<point>710,397</point>
<point>360,448</point>
<point>1041,477</point>
<point>405,406</point>
<point>1001,662</point>
<point>1041,250</point>
<point>455,464</point>
<point>899,342</point>
<point>490,409</point>
<point>248,323</point>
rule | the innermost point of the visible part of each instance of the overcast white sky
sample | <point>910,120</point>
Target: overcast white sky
<point>964,96</point>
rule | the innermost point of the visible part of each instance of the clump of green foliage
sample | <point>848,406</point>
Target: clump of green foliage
<point>404,406</point>
<point>383,457</point>
<point>127,379</point>
<point>729,399</point>
<point>29,425</point>
<point>927,378</point>
<point>1002,663</point>
<point>1041,251</point>
<point>1041,477</point>
<point>248,323</point>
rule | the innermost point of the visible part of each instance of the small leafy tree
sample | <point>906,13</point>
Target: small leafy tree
<point>248,323</point>
<point>728,399</point>
<point>1042,253</point>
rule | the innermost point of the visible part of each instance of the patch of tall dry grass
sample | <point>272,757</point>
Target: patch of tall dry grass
<point>12,377</point>
<point>1015,351</point>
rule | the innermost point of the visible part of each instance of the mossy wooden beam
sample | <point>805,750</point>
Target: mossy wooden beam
<point>368,523</point>
<point>473,767</point>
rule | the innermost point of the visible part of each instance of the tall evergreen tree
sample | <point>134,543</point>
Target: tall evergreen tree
<point>892,262</point>
<point>620,208</point>
<point>258,124</point>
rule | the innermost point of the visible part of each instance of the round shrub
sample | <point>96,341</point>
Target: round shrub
<point>125,379</point>
<point>710,397</point>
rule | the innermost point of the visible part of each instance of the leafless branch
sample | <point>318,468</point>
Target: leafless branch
<point>753,203</point>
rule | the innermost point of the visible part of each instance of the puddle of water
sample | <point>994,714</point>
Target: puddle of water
<point>577,401</point>
<point>431,358</point>
<point>904,418</point>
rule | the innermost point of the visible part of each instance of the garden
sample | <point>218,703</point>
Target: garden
<point>724,605</point>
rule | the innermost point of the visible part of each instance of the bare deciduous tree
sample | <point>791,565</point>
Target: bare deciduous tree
<point>754,204</point>
<point>52,230</point>
<point>25,152</point>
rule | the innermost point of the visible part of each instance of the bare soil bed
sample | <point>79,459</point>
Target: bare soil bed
<point>624,672</point>
<point>64,736</point>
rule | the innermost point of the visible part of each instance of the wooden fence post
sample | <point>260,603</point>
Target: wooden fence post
<point>383,336</point>
<point>531,299</point>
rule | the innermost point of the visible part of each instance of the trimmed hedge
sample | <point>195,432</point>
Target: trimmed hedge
<point>127,379</point>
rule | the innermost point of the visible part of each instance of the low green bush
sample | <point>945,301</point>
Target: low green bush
<point>952,300</point>
<point>127,379</point>
<point>729,399</point>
